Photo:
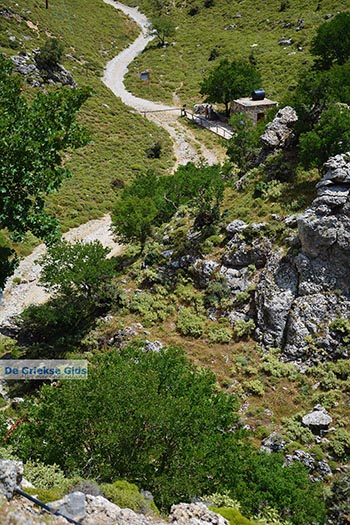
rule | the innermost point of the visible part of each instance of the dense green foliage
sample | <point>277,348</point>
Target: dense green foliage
<point>151,200</point>
<point>243,145</point>
<point>80,269</point>
<point>127,495</point>
<point>228,81</point>
<point>322,95</point>
<point>33,137</point>
<point>79,276</point>
<point>156,420</point>
<point>332,41</point>
<point>330,136</point>
<point>50,54</point>
<point>162,27</point>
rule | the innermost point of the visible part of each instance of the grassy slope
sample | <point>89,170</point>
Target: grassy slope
<point>120,140</point>
<point>180,67</point>
<point>93,33</point>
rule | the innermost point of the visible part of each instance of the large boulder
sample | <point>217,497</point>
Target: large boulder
<point>279,133</point>
<point>72,505</point>
<point>317,420</point>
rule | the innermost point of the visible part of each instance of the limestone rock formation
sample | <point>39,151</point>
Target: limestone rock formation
<point>279,133</point>
<point>299,295</point>
<point>26,65</point>
<point>317,420</point>
<point>194,514</point>
<point>11,473</point>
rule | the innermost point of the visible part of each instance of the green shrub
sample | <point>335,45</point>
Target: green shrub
<point>243,328</point>
<point>232,515</point>
<point>127,495</point>
<point>50,53</point>
<point>273,366</point>
<point>241,298</point>
<point>256,387</point>
<point>47,495</point>
<point>342,328</point>
<point>328,399</point>
<point>219,334</point>
<point>217,291</point>
<point>339,443</point>
<point>295,431</point>
<point>152,308</point>
<point>189,323</point>
<point>221,499</point>
<point>44,476</point>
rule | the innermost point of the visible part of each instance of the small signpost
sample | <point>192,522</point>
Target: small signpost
<point>144,76</point>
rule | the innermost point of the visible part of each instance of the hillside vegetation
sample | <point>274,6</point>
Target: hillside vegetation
<point>226,320</point>
<point>208,31</point>
<point>92,33</point>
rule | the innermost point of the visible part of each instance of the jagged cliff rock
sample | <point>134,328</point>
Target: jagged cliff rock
<point>299,295</point>
<point>279,133</point>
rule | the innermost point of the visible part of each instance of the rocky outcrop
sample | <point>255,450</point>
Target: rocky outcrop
<point>93,510</point>
<point>319,470</point>
<point>279,133</point>
<point>11,473</point>
<point>26,65</point>
<point>194,514</point>
<point>273,443</point>
<point>299,295</point>
<point>317,420</point>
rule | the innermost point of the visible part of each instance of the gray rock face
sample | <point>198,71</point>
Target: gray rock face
<point>194,514</point>
<point>236,226</point>
<point>203,270</point>
<point>317,420</point>
<point>318,469</point>
<point>93,510</point>
<point>25,65</point>
<point>11,473</point>
<point>275,295</point>
<point>279,132</point>
<point>298,296</point>
<point>242,254</point>
<point>273,443</point>
<point>72,505</point>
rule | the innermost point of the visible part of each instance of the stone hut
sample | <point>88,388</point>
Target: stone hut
<point>255,106</point>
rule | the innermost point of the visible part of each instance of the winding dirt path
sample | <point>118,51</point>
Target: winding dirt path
<point>186,147</point>
<point>22,288</point>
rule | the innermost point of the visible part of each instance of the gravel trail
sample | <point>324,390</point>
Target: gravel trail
<point>186,147</point>
<point>25,290</point>
<point>22,288</point>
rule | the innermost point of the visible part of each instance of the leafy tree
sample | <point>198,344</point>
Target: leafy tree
<point>133,218</point>
<point>332,41</point>
<point>50,54</point>
<point>230,80</point>
<point>150,200</point>
<point>150,418</point>
<point>79,276</point>
<point>157,421</point>
<point>300,501</point>
<point>330,136</point>
<point>79,269</point>
<point>242,147</point>
<point>32,137</point>
<point>162,27</point>
<point>317,90</point>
